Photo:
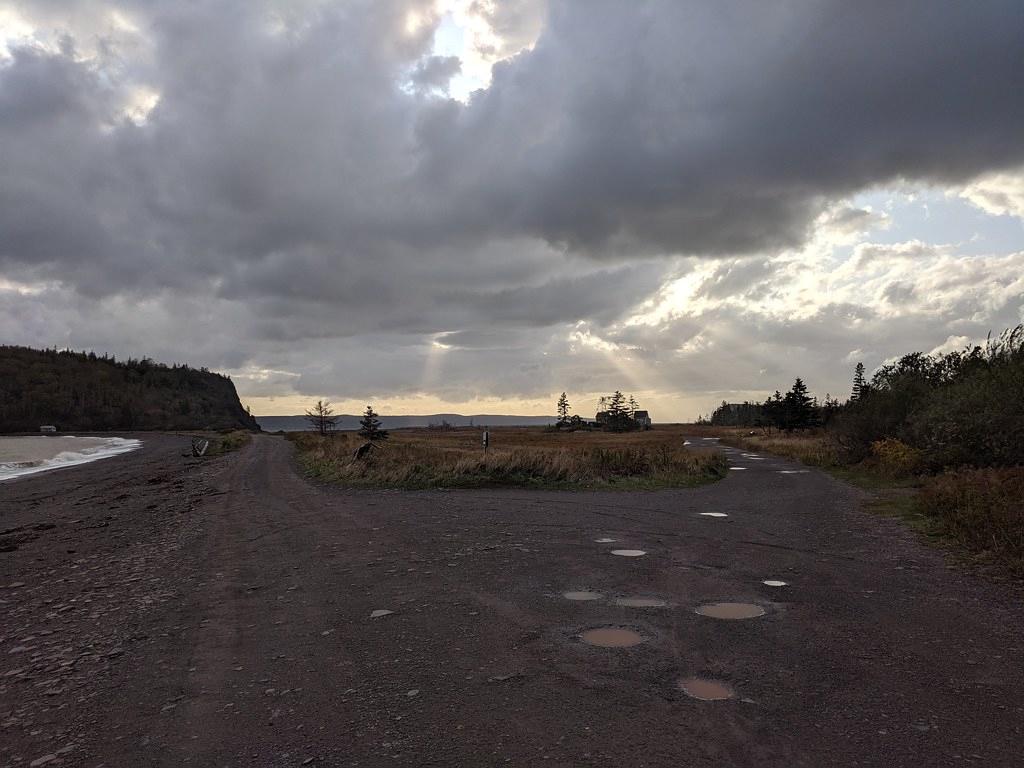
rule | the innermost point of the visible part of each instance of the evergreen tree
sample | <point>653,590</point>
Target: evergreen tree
<point>829,409</point>
<point>369,426</point>
<point>618,413</point>
<point>634,406</point>
<point>563,410</point>
<point>798,408</point>
<point>772,410</point>
<point>858,382</point>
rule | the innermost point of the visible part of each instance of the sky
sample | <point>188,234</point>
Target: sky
<point>474,205</point>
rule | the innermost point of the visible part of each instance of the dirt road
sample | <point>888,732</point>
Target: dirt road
<point>159,610</point>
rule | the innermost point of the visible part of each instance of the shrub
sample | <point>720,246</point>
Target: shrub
<point>896,458</point>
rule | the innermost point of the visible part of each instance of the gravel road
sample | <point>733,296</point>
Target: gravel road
<point>158,610</point>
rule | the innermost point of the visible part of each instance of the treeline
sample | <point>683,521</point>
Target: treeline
<point>961,409</point>
<point>930,412</point>
<point>86,392</point>
<point>797,409</point>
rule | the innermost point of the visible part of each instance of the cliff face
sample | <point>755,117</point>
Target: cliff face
<point>80,391</point>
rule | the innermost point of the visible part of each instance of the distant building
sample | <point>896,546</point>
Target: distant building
<point>47,428</point>
<point>642,418</point>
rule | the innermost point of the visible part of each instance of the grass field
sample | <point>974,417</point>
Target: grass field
<point>516,457</point>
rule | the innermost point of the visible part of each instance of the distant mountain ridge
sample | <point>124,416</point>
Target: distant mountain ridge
<point>347,422</point>
<point>80,391</point>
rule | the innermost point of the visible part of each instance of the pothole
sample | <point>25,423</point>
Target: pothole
<point>775,583</point>
<point>737,468</point>
<point>628,552</point>
<point>611,637</point>
<point>605,541</point>
<point>640,602</point>
<point>582,595</point>
<point>713,514</point>
<point>704,689</point>
<point>731,610</point>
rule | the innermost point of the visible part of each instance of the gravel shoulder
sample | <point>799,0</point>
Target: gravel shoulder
<point>164,611</point>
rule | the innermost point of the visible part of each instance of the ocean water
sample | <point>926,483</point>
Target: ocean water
<point>28,455</point>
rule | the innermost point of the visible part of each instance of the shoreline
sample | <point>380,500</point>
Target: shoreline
<point>22,456</point>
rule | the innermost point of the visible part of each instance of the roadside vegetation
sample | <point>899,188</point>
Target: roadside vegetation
<point>228,442</point>
<point>939,438</point>
<point>516,457</point>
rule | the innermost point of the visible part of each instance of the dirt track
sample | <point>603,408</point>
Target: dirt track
<point>217,613</point>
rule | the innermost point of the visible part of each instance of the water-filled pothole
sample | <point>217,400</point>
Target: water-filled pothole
<point>713,514</point>
<point>605,541</point>
<point>582,595</point>
<point>611,637</point>
<point>704,689</point>
<point>628,552</point>
<point>774,583</point>
<point>640,602</point>
<point>731,610</point>
<point>737,468</point>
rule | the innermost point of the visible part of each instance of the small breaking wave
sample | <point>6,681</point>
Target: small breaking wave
<point>83,451</point>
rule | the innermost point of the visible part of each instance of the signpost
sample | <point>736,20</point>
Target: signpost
<point>486,439</point>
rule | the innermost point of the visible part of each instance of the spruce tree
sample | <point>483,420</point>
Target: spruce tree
<point>858,382</point>
<point>369,426</point>
<point>798,408</point>
<point>618,412</point>
<point>563,410</point>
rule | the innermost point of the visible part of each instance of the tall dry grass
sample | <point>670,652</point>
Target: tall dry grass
<point>982,510</point>
<point>517,457</point>
<point>814,448</point>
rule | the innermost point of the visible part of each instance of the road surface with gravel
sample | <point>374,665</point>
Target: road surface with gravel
<point>159,610</point>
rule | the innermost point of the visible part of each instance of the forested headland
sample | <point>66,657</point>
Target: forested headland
<point>82,391</point>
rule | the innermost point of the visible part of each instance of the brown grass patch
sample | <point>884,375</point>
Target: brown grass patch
<point>814,448</point>
<point>982,510</point>
<point>517,457</point>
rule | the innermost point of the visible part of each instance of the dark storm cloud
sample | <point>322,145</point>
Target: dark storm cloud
<point>722,127</point>
<point>290,187</point>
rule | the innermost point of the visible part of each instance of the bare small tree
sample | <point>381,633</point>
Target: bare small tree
<point>322,417</point>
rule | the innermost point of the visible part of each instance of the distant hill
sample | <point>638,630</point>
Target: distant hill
<point>78,391</point>
<point>350,422</point>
